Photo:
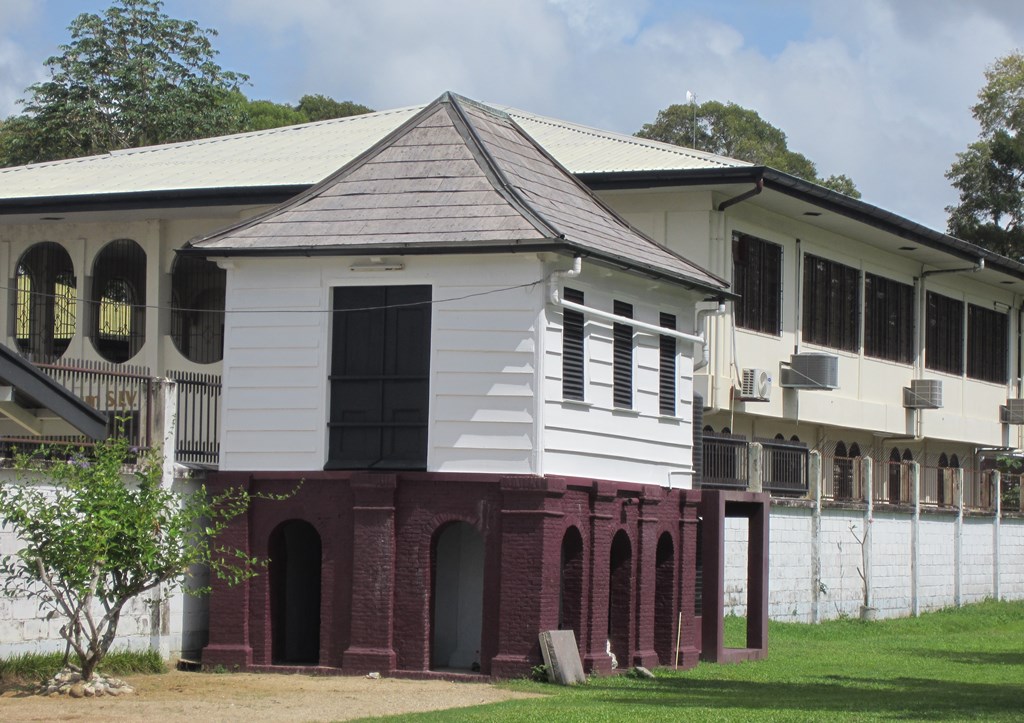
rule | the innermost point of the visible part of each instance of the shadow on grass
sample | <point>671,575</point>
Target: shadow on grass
<point>974,657</point>
<point>897,697</point>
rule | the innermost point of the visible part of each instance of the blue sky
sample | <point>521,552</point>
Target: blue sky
<point>878,89</point>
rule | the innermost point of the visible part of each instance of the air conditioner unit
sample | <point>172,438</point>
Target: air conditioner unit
<point>811,370</point>
<point>756,386</point>
<point>1013,412</point>
<point>923,394</point>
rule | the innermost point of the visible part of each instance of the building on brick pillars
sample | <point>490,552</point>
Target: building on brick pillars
<point>494,438</point>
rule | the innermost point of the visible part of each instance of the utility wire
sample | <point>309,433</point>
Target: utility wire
<point>433,302</point>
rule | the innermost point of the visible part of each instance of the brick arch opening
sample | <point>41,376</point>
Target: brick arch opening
<point>296,554</point>
<point>620,597</point>
<point>664,598</point>
<point>570,595</point>
<point>457,593</point>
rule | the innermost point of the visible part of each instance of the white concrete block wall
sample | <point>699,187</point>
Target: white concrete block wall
<point>735,589</point>
<point>1011,559</point>
<point>174,625</point>
<point>977,560</point>
<point>791,582</point>
<point>891,555</point>
<point>843,590</point>
<point>936,564</point>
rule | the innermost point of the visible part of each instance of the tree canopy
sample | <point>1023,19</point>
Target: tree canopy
<point>989,175</point>
<point>96,540</point>
<point>134,77</point>
<point>732,130</point>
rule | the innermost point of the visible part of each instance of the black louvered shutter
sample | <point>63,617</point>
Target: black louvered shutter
<point>572,348</point>
<point>667,368</point>
<point>622,361</point>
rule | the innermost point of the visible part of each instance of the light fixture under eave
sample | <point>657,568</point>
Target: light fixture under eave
<point>376,263</point>
<point>812,213</point>
<point>908,248</point>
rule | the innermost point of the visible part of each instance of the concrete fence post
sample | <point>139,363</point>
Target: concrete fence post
<point>997,504</point>
<point>755,467</point>
<point>869,510</point>
<point>814,484</point>
<point>915,540</point>
<point>958,538</point>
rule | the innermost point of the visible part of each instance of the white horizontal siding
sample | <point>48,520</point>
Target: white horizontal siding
<point>594,439</point>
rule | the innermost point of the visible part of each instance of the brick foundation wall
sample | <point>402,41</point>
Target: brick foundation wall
<point>379,533</point>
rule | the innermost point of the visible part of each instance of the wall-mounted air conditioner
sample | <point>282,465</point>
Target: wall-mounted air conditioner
<point>1013,412</point>
<point>923,394</point>
<point>811,370</point>
<point>756,386</point>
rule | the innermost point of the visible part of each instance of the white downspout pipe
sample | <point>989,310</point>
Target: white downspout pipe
<point>577,266</point>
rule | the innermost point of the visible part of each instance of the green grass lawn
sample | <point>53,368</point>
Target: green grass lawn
<point>949,665</point>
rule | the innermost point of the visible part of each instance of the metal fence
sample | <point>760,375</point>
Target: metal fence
<point>726,461</point>
<point>784,467</point>
<point>126,393</point>
<point>842,478</point>
<point>198,417</point>
<point>130,397</point>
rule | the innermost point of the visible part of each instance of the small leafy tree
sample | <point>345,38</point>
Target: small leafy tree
<point>96,537</point>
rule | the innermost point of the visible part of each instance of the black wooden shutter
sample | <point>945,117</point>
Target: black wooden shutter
<point>572,348</point>
<point>667,368</point>
<point>380,370</point>
<point>622,361</point>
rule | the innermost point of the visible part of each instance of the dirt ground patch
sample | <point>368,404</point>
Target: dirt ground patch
<point>178,696</point>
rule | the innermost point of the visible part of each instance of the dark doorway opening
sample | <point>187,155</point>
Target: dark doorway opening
<point>294,571</point>
<point>620,597</point>
<point>570,600</point>
<point>665,599</point>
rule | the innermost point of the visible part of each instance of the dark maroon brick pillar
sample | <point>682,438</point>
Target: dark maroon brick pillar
<point>593,647</point>
<point>713,551</point>
<point>689,640</point>
<point>229,604</point>
<point>757,577</point>
<point>371,636</point>
<point>646,572</point>
<point>530,568</point>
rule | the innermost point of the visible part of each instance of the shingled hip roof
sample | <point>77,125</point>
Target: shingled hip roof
<point>458,176</point>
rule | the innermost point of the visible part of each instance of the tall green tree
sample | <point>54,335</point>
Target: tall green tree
<point>989,175</point>
<point>320,107</point>
<point>732,130</point>
<point>130,77</point>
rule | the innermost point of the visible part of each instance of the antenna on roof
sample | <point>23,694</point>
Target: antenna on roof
<point>691,98</point>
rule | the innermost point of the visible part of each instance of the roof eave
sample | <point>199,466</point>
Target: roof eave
<point>825,198</point>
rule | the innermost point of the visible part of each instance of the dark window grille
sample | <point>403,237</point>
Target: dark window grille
<point>118,306</point>
<point>46,302</point>
<point>944,334</point>
<point>757,278</point>
<point>988,333</point>
<point>380,377</point>
<point>197,309</point>
<point>572,348</point>
<point>667,368</point>
<point>622,360</point>
<point>831,303</point>
<point>888,319</point>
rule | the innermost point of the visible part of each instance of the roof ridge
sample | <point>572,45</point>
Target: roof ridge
<point>685,151</point>
<point>161,147</point>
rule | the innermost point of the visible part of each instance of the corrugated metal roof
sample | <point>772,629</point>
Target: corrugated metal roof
<point>458,175</point>
<point>305,154</point>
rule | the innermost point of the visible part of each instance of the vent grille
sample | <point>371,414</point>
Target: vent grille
<point>1013,412</point>
<point>923,394</point>
<point>811,370</point>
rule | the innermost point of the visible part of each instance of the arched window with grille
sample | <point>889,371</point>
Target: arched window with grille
<point>197,309</point>
<point>842,473</point>
<point>119,300</point>
<point>46,303</point>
